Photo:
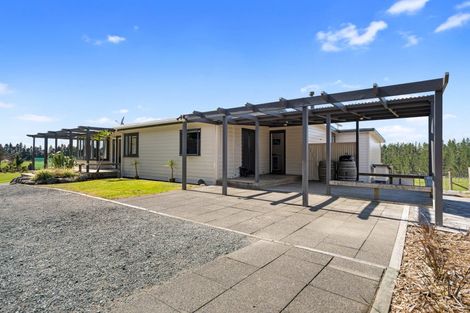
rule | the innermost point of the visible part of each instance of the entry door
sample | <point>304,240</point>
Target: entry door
<point>278,152</point>
<point>248,150</point>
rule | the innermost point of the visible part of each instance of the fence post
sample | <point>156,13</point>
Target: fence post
<point>450,180</point>
<point>469,179</point>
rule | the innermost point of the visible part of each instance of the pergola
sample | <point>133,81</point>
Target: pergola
<point>415,99</point>
<point>84,133</point>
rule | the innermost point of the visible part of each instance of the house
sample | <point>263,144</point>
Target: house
<point>153,143</point>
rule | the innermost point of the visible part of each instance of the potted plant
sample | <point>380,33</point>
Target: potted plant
<point>135,163</point>
<point>172,165</point>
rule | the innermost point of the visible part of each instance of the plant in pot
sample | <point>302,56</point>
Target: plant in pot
<point>172,165</point>
<point>135,163</point>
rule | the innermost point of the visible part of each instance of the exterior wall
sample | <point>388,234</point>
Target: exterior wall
<point>159,144</point>
<point>364,144</point>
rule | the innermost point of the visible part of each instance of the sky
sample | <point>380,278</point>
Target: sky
<point>70,63</point>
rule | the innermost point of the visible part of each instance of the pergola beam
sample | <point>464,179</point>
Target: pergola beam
<point>375,87</point>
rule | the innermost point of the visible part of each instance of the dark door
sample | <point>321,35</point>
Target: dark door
<point>248,150</point>
<point>278,152</point>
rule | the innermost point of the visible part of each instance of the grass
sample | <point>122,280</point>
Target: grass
<point>7,177</point>
<point>458,183</point>
<point>119,187</point>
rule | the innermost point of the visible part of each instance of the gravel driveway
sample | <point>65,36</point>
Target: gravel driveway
<point>63,252</point>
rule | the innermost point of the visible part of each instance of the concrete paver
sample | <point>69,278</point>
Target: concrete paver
<point>314,300</point>
<point>259,254</point>
<point>226,271</point>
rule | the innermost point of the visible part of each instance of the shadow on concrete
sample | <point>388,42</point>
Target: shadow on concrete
<point>367,211</point>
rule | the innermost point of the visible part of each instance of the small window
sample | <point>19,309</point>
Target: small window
<point>193,143</point>
<point>131,145</point>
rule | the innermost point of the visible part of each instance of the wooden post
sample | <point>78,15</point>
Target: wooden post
<point>256,151</point>
<point>87,150</point>
<point>357,150</point>
<point>184,154</point>
<point>55,145</point>
<point>33,154</point>
<point>46,152</point>
<point>224,155</point>
<point>70,144</point>
<point>469,178</point>
<point>121,164</point>
<point>437,163</point>
<point>450,180</point>
<point>430,140</point>
<point>328,154</point>
<point>305,156</point>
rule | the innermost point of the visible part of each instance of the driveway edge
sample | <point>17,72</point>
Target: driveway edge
<point>383,299</point>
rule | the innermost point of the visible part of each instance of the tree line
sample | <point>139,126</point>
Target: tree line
<point>412,158</point>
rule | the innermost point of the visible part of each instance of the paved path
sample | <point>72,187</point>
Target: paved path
<point>327,258</point>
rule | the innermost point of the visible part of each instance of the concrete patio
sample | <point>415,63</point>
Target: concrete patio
<point>360,229</point>
<point>329,257</point>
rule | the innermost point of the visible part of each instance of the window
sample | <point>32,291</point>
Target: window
<point>193,143</point>
<point>131,145</point>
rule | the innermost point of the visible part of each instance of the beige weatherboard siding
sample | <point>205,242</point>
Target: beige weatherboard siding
<point>159,142</point>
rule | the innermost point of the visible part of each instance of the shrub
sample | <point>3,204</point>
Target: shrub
<point>60,160</point>
<point>43,175</point>
<point>48,174</point>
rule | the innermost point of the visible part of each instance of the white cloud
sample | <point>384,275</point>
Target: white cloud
<point>5,105</point>
<point>411,40</point>
<point>400,133</point>
<point>115,39</point>
<point>102,121</point>
<point>453,21</point>
<point>422,120</point>
<point>92,41</point>
<point>122,111</point>
<point>4,89</point>
<point>407,6</point>
<point>463,5</point>
<point>349,36</point>
<point>35,118</point>
<point>338,84</point>
<point>447,116</point>
<point>136,27</point>
<point>144,119</point>
<point>312,87</point>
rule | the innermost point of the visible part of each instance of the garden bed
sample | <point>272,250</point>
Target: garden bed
<point>435,272</point>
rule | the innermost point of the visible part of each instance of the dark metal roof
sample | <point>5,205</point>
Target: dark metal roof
<point>375,103</point>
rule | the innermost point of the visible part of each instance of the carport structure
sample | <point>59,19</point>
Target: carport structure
<point>415,99</point>
<point>83,135</point>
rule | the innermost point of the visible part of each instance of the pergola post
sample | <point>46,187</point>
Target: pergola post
<point>257,151</point>
<point>87,150</point>
<point>357,150</point>
<point>184,154</point>
<point>430,140</point>
<point>224,154</point>
<point>33,154</point>
<point>305,156</point>
<point>98,144</point>
<point>70,144</point>
<point>437,164</point>
<point>46,152</point>
<point>121,164</point>
<point>55,144</point>
<point>328,154</point>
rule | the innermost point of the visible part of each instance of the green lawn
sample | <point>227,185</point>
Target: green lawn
<point>458,183</point>
<point>119,188</point>
<point>7,177</point>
